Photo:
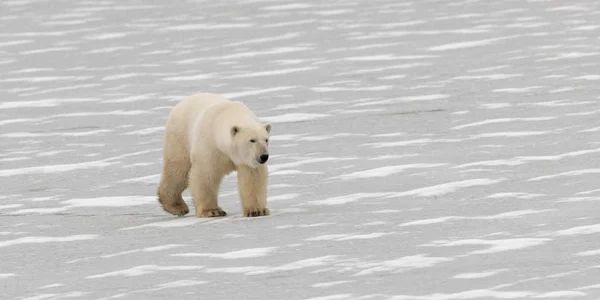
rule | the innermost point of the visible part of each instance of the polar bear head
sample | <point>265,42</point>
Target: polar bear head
<point>250,144</point>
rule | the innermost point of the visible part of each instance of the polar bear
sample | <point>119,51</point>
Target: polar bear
<point>207,136</point>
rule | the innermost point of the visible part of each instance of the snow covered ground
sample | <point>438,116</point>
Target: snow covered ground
<point>421,150</point>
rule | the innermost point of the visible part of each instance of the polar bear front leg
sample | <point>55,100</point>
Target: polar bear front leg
<point>252,183</point>
<point>204,184</point>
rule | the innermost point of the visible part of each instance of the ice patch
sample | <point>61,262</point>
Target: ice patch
<point>47,50</point>
<point>403,264</point>
<point>246,253</point>
<point>334,12</point>
<point>502,120</point>
<point>489,77</point>
<point>589,253</point>
<point>388,57</point>
<point>375,223</point>
<point>255,92</point>
<point>270,73</point>
<point>5,233</point>
<point>289,23</point>
<point>180,222</point>
<point>297,265</point>
<point>487,69</point>
<point>446,188</point>
<point>425,97</point>
<point>291,6</point>
<point>293,172</point>
<point>147,249</point>
<point>560,294</point>
<point>129,99</point>
<point>588,192</point>
<point>472,294</point>
<point>348,237</point>
<point>332,297</point>
<point>119,201</point>
<point>588,77</point>
<point>15,43</point>
<point>278,167</point>
<point>325,89</point>
<point>259,270</point>
<point>193,27</point>
<point>294,117</point>
<point>479,274</point>
<point>594,129</point>
<point>248,54</point>
<point>469,44</point>
<point>495,105</point>
<point>286,36</point>
<point>340,200</point>
<point>47,239</point>
<point>49,286</point>
<point>399,143</point>
<point>393,134</point>
<point>330,284</point>
<point>48,134</point>
<point>145,179</point>
<point>404,99</point>
<point>283,197</point>
<point>9,206</point>
<point>57,296</point>
<point>113,50</point>
<point>495,246</point>
<point>564,174</point>
<point>143,270</point>
<point>43,103</point>
<point>580,230</point>
<point>107,36</point>
<point>306,104</point>
<point>577,199</point>
<point>517,90</point>
<point>116,201</point>
<point>514,195</point>
<point>304,226</point>
<point>392,77</point>
<point>569,55</point>
<point>525,159</point>
<point>562,90</point>
<point>146,131</point>
<point>509,134</point>
<point>501,216</point>
<point>385,171</point>
<point>387,211</point>
<point>194,78</point>
<point>180,283</point>
<point>6,275</point>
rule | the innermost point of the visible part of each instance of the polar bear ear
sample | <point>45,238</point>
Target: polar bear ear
<point>234,130</point>
<point>268,127</point>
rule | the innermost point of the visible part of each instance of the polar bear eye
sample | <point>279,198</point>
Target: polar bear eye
<point>267,140</point>
<point>252,141</point>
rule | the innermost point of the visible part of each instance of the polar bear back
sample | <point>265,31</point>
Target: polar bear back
<point>208,118</point>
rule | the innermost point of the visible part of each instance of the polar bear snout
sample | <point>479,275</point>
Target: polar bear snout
<point>263,158</point>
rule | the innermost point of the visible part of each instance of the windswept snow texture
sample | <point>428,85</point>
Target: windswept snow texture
<point>424,150</point>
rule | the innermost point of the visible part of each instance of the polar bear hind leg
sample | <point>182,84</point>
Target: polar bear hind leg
<point>173,182</point>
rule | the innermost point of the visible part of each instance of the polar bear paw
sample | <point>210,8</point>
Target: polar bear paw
<point>257,212</point>
<point>173,206</point>
<point>179,209</point>
<point>210,213</point>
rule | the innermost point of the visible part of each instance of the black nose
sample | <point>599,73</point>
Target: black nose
<point>264,158</point>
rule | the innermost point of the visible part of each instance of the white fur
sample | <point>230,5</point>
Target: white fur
<point>207,137</point>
